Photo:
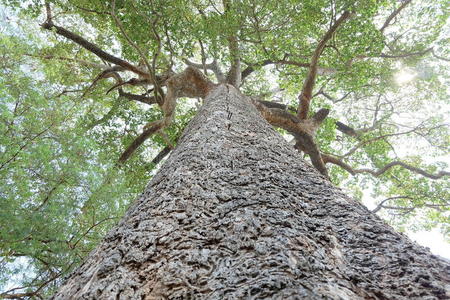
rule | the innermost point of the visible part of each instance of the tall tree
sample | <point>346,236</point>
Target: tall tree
<point>73,114</point>
<point>234,213</point>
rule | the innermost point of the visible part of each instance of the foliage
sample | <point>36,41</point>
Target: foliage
<point>61,188</point>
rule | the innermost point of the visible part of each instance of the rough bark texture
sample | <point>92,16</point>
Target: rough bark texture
<point>235,213</point>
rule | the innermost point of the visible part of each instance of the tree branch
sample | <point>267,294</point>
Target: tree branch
<point>306,93</point>
<point>337,161</point>
<point>251,67</point>
<point>381,204</point>
<point>394,14</point>
<point>408,54</point>
<point>305,142</point>
<point>163,153</point>
<point>90,46</point>
<point>302,130</point>
<point>359,145</point>
<point>213,66</point>
<point>150,69</point>
<point>326,95</point>
<point>190,83</point>
<point>30,294</point>
<point>92,10</point>
<point>339,125</point>
<point>439,57</point>
<point>346,129</point>
<point>151,128</point>
<point>424,173</point>
<point>141,98</point>
<point>107,73</point>
<point>271,104</point>
<point>234,74</point>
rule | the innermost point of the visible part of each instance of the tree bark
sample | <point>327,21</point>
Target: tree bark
<point>235,213</point>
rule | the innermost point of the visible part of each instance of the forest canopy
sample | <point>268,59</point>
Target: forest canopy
<point>90,106</point>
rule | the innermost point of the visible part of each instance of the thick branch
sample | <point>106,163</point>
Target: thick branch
<point>190,83</point>
<point>319,117</point>
<point>280,118</point>
<point>213,66</point>
<point>151,129</point>
<point>234,74</point>
<point>302,130</point>
<point>91,47</point>
<point>141,98</point>
<point>336,161</point>
<point>271,104</point>
<point>160,156</point>
<point>306,143</point>
<point>308,85</point>
<point>393,15</point>
<point>346,129</point>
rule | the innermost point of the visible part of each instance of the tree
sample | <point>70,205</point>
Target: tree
<point>234,213</point>
<point>244,207</point>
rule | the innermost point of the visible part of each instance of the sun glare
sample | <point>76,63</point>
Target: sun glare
<point>404,76</point>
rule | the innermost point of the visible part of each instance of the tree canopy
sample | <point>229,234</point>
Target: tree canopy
<point>91,102</point>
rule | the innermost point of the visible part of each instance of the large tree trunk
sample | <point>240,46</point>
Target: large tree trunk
<point>235,213</point>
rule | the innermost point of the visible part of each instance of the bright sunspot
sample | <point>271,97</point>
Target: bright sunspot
<point>404,76</point>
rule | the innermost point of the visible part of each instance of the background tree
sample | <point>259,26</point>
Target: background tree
<point>77,94</point>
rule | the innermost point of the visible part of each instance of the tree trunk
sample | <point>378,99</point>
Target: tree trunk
<point>235,213</point>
